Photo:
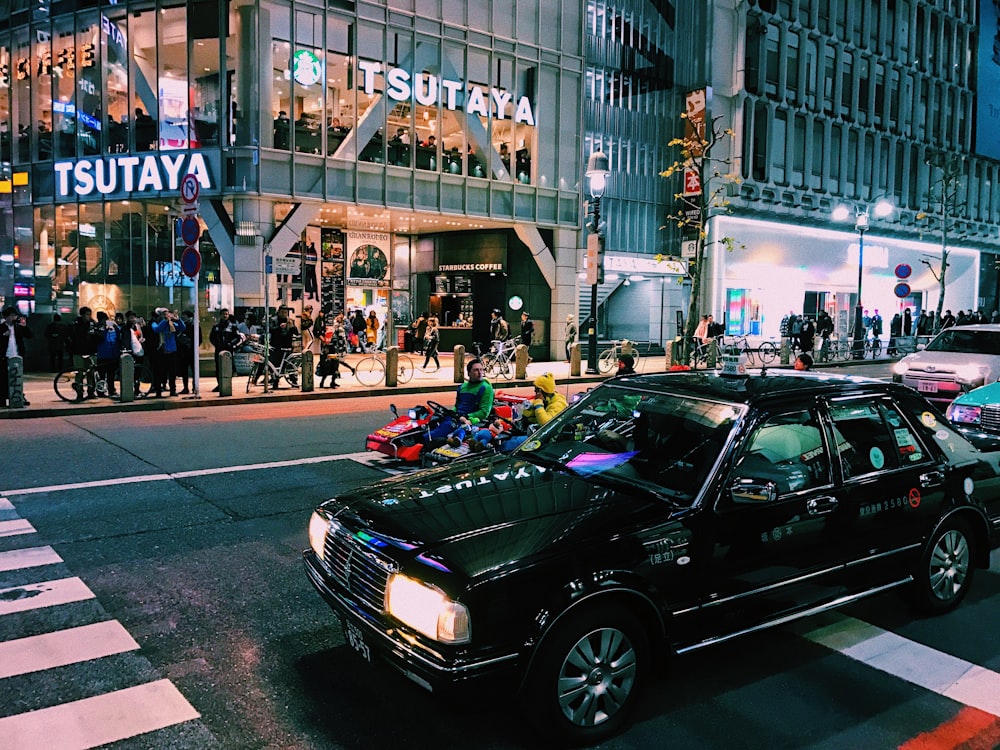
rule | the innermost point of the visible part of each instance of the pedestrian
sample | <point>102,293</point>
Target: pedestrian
<point>55,339</point>
<point>225,336</point>
<point>413,338</point>
<point>803,362</point>
<point>895,331</point>
<point>626,365</point>
<point>907,322</point>
<point>824,329</point>
<point>359,326</point>
<point>82,344</point>
<point>431,341</point>
<point>571,333</point>
<point>306,324</point>
<point>132,339</point>
<point>166,328</point>
<point>947,320</point>
<point>282,336</point>
<point>13,332</point>
<point>339,343</point>
<point>108,351</point>
<point>807,334</point>
<point>372,328</point>
<point>499,329</point>
<point>527,329</point>
<point>187,350</point>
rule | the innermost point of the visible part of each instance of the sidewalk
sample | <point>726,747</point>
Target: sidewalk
<point>44,403</point>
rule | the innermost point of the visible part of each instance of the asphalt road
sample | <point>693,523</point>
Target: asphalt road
<point>152,595</point>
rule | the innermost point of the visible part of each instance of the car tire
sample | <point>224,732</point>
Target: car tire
<point>946,568</point>
<point>584,680</point>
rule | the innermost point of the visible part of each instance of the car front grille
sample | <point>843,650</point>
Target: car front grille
<point>357,567</point>
<point>990,417</point>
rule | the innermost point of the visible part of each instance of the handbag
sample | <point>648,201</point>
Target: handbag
<point>137,349</point>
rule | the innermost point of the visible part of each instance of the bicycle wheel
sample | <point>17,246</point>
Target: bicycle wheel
<point>370,370</point>
<point>768,352</point>
<point>63,384</point>
<point>404,369</point>
<point>490,366</point>
<point>506,368</point>
<point>608,360</point>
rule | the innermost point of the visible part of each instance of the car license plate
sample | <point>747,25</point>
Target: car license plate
<point>356,640</point>
<point>927,386</point>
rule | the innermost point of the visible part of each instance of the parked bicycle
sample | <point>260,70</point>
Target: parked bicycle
<point>873,347</point>
<point>499,360</point>
<point>608,360</point>
<point>370,369</point>
<point>765,353</point>
<point>93,381</point>
<point>289,368</point>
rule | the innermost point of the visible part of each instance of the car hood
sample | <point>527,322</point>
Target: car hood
<point>987,394</point>
<point>475,515</point>
<point>949,361</point>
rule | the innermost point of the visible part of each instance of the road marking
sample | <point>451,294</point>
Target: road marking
<point>969,728</point>
<point>5,504</point>
<point>62,647</point>
<point>946,675</point>
<point>30,557</point>
<point>15,527</point>
<point>99,720</point>
<point>39,595</point>
<point>185,474</point>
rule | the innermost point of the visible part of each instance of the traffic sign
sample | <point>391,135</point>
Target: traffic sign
<point>190,187</point>
<point>190,262</point>
<point>190,230</point>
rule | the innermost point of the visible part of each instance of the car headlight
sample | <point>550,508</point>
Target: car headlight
<point>900,368</point>
<point>426,609</point>
<point>964,414</point>
<point>318,526</point>
<point>970,373</point>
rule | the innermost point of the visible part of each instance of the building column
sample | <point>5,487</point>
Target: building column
<point>566,295</point>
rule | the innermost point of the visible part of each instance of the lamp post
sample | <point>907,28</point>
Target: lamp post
<point>597,176</point>
<point>861,215</point>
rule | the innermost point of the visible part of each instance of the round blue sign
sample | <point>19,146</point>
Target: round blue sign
<point>190,230</point>
<point>903,271</point>
<point>190,262</point>
<point>902,290</point>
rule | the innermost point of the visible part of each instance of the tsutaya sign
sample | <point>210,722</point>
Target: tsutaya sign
<point>129,174</point>
<point>429,90</point>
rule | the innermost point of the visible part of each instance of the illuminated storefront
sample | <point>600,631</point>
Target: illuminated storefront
<point>345,142</point>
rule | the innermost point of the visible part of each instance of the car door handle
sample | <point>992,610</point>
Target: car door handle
<point>818,506</point>
<point>931,479</point>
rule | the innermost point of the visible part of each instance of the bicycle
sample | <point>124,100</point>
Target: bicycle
<point>95,383</point>
<point>608,360</point>
<point>499,360</point>
<point>289,367</point>
<point>873,347</point>
<point>766,352</point>
<point>370,369</point>
<point>703,352</point>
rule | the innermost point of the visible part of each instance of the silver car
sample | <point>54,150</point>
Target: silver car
<point>957,360</point>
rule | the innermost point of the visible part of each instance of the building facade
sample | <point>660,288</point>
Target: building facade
<point>348,155</point>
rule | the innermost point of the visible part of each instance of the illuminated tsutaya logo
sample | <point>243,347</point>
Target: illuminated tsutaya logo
<point>129,174</point>
<point>429,90</point>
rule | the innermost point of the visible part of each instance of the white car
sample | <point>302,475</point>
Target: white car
<point>957,360</point>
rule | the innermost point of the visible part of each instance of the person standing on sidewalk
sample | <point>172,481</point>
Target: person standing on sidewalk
<point>83,344</point>
<point>167,328</point>
<point>431,341</point>
<point>225,337</point>
<point>824,329</point>
<point>13,331</point>
<point>55,338</point>
<point>108,351</point>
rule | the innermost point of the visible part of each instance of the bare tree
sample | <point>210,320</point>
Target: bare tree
<point>708,182</point>
<point>944,212</point>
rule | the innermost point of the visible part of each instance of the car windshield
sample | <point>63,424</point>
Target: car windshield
<point>664,443</point>
<point>966,341</point>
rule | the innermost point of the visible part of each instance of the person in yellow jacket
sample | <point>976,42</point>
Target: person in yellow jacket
<point>547,401</point>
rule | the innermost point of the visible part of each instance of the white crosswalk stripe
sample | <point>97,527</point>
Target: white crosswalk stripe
<point>98,720</point>
<point>92,720</point>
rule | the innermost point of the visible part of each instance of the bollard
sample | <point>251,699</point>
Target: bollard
<point>127,389</point>
<point>713,354</point>
<point>392,366</point>
<point>786,351</point>
<point>15,381</point>
<point>574,359</point>
<point>307,371</point>
<point>521,362</point>
<point>459,364</point>
<point>225,374</point>
<point>676,352</point>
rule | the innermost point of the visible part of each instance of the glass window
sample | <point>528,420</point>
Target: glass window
<point>89,114</point>
<point>115,63</point>
<point>173,112</point>
<point>872,437</point>
<point>339,93</point>
<point>41,90</point>
<point>143,80</point>
<point>207,114</point>
<point>786,449</point>
<point>308,67</point>
<point>281,94</point>
<point>64,121</point>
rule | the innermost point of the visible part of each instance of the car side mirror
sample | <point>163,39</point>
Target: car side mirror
<point>747,490</point>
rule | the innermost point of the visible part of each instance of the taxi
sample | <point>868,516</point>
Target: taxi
<point>658,515</point>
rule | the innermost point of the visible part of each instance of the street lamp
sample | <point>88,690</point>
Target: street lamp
<point>881,209</point>
<point>597,175</point>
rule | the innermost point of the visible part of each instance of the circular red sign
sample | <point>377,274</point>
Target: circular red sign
<point>903,271</point>
<point>902,290</point>
<point>190,188</point>
<point>914,498</point>
<point>190,230</point>
<point>190,262</point>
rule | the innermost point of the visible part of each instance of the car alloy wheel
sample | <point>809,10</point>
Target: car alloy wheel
<point>946,568</point>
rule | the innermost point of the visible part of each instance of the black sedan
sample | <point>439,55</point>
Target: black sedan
<point>658,515</point>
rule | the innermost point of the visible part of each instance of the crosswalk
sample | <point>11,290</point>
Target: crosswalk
<point>81,685</point>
